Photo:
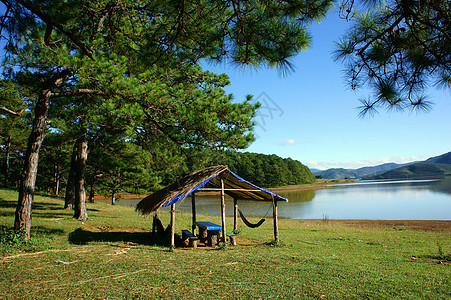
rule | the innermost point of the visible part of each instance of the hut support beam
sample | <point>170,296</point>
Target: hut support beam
<point>154,222</point>
<point>276,222</point>
<point>224,235</point>
<point>193,209</point>
<point>172,226</point>
<point>235,215</point>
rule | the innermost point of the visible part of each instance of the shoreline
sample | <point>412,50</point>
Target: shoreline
<point>321,184</point>
<point>421,225</point>
<point>302,187</point>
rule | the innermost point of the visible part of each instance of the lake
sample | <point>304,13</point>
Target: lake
<point>371,200</point>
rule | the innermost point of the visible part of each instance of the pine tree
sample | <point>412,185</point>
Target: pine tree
<point>145,54</point>
<point>13,127</point>
<point>398,48</point>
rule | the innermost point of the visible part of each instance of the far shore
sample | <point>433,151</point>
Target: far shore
<point>421,225</point>
<point>319,184</point>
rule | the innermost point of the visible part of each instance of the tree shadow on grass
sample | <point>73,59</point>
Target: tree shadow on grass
<point>36,206</point>
<point>7,204</point>
<point>52,215</point>
<point>82,237</point>
<point>47,206</point>
<point>41,230</point>
<point>35,231</point>
<point>6,214</point>
<point>41,209</point>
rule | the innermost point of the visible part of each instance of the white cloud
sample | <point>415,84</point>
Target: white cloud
<point>289,142</point>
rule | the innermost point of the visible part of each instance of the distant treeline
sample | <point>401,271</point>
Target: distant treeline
<point>265,170</point>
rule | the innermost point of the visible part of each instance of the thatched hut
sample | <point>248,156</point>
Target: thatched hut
<point>217,178</point>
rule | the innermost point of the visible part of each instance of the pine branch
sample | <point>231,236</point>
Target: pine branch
<point>381,34</point>
<point>52,23</point>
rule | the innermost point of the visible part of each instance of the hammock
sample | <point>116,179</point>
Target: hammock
<point>249,224</point>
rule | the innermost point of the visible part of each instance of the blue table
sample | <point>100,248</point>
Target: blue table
<point>209,231</point>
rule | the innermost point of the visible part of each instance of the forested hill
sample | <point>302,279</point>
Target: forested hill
<point>357,173</point>
<point>434,167</point>
<point>441,159</point>
<point>265,170</point>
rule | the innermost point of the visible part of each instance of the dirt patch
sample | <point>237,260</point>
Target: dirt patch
<point>112,229</point>
<point>431,260</point>
<point>29,254</point>
<point>244,242</point>
<point>423,225</point>
<point>204,246</point>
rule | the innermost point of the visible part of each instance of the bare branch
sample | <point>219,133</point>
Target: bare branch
<point>95,137</point>
<point>77,92</point>
<point>9,111</point>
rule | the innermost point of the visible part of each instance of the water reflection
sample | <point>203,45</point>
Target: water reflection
<point>443,186</point>
<point>390,200</point>
<point>298,196</point>
<point>379,200</point>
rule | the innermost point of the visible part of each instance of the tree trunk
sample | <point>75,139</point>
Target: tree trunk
<point>70,187</point>
<point>75,190</point>
<point>113,197</point>
<point>80,211</point>
<point>92,190</point>
<point>8,150</point>
<point>56,186</point>
<point>22,221</point>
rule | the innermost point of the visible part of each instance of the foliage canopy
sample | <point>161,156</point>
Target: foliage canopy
<point>398,48</point>
<point>130,69</point>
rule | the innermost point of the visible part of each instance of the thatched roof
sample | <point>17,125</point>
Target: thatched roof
<point>234,186</point>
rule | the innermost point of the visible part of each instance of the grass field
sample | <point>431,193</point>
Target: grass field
<point>114,256</point>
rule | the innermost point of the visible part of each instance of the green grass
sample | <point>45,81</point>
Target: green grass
<point>104,258</point>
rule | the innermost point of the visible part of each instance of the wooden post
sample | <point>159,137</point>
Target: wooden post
<point>154,223</point>
<point>235,221</point>
<point>235,215</point>
<point>224,235</point>
<point>172,226</point>
<point>276,222</point>
<point>193,208</point>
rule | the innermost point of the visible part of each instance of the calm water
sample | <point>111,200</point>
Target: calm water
<point>387,200</point>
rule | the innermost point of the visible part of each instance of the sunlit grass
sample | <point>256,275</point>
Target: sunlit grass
<point>113,256</point>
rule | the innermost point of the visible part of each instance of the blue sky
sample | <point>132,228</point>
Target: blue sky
<point>312,116</point>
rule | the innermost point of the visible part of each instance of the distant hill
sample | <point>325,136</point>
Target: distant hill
<point>441,159</point>
<point>336,173</point>
<point>434,167</point>
<point>340,173</point>
<point>315,171</point>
